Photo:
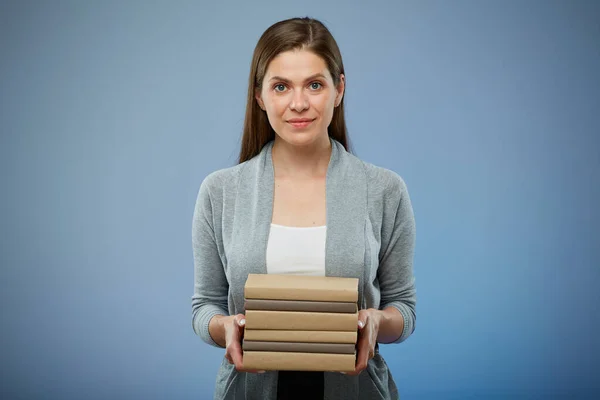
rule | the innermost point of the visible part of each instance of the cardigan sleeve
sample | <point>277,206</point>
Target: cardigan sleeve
<point>210,283</point>
<point>395,271</point>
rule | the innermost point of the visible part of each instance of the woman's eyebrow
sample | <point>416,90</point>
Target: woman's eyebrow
<point>279,78</point>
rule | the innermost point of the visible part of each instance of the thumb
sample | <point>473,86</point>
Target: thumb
<point>362,319</point>
<point>240,320</point>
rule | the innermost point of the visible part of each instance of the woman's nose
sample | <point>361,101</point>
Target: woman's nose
<point>299,101</point>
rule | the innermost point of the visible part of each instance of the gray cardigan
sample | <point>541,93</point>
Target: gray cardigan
<point>370,236</point>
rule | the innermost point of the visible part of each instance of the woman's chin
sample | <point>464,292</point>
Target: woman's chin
<point>301,138</point>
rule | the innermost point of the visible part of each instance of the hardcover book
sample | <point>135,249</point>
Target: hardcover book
<point>299,305</point>
<point>332,348</point>
<point>283,361</point>
<point>301,336</point>
<point>299,320</point>
<point>301,287</point>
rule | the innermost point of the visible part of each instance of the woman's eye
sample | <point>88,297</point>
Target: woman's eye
<point>279,88</point>
<point>315,85</point>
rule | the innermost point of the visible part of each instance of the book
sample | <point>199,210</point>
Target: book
<point>299,320</point>
<point>300,336</point>
<point>301,287</point>
<point>332,348</point>
<point>283,361</point>
<point>299,305</point>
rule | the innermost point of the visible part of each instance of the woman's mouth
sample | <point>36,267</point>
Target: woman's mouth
<point>300,122</point>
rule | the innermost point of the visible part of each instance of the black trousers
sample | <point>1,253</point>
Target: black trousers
<point>305,385</point>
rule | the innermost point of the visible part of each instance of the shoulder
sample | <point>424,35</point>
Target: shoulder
<point>221,177</point>
<point>389,203</point>
<point>384,183</point>
<point>220,181</point>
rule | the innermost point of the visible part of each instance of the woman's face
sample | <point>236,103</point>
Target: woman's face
<point>299,96</point>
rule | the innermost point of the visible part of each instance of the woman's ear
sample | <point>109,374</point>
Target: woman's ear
<point>341,87</point>
<point>258,98</point>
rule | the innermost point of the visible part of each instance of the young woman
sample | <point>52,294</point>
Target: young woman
<point>299,202</point>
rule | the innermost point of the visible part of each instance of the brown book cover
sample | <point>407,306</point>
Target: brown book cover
<point>283,361</point>
<point>299,320</point>
<point>299,305</point>
<point>300,336</point>
<point>301,287</point>
<point>331,348</point>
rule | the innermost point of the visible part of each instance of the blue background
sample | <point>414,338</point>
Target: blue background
<point>113,112</point>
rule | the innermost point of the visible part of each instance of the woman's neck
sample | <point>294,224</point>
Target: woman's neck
<point>301,161</point>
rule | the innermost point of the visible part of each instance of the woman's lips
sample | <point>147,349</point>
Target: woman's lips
<point>300,124</point>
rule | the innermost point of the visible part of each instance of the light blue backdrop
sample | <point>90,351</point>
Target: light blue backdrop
<point>113,112</point>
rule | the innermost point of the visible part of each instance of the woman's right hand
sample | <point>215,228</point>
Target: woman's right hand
<point>233,327</point>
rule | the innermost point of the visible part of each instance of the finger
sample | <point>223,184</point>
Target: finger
<point>363,317</point>
<point>240,323</point>
<point>362,357</point>
<point>241,328</point>
<point>253,371</point>
<point>239,364</point>
<point>356,371</point>
<point>235,352</point>
<point>240,320</point>
<point>242,369</point>
<point>360,367</point>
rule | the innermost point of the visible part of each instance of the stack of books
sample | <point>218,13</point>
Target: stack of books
<point>300,323</point>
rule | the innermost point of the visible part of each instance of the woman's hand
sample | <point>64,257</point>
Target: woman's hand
<point>368,329</point>
<point>233,327</point>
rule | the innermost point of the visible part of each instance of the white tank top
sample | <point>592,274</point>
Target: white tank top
<point>296,250</point>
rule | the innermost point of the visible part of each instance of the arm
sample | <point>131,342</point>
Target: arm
<point>395,272</point>
<point>391,324</point>
<point>394,321</point>
<point>210,317</point>
<point>383,326</point>
<point>218,324</point>
<point>210,283</point>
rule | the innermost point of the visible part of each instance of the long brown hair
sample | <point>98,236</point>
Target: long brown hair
<point>291,34</point>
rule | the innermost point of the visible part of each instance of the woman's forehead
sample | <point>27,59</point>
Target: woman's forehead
<point>296,65</point>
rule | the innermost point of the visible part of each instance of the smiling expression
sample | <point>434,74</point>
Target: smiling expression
<point>299,96</point>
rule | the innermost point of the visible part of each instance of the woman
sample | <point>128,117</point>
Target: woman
<point>296,183</point>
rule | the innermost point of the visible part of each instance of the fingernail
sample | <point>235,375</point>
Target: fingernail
<point>361,324</point>
<point>261,372</point>
<point>242,322</point>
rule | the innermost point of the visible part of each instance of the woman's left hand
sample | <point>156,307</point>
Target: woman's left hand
<point>368,329</point>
